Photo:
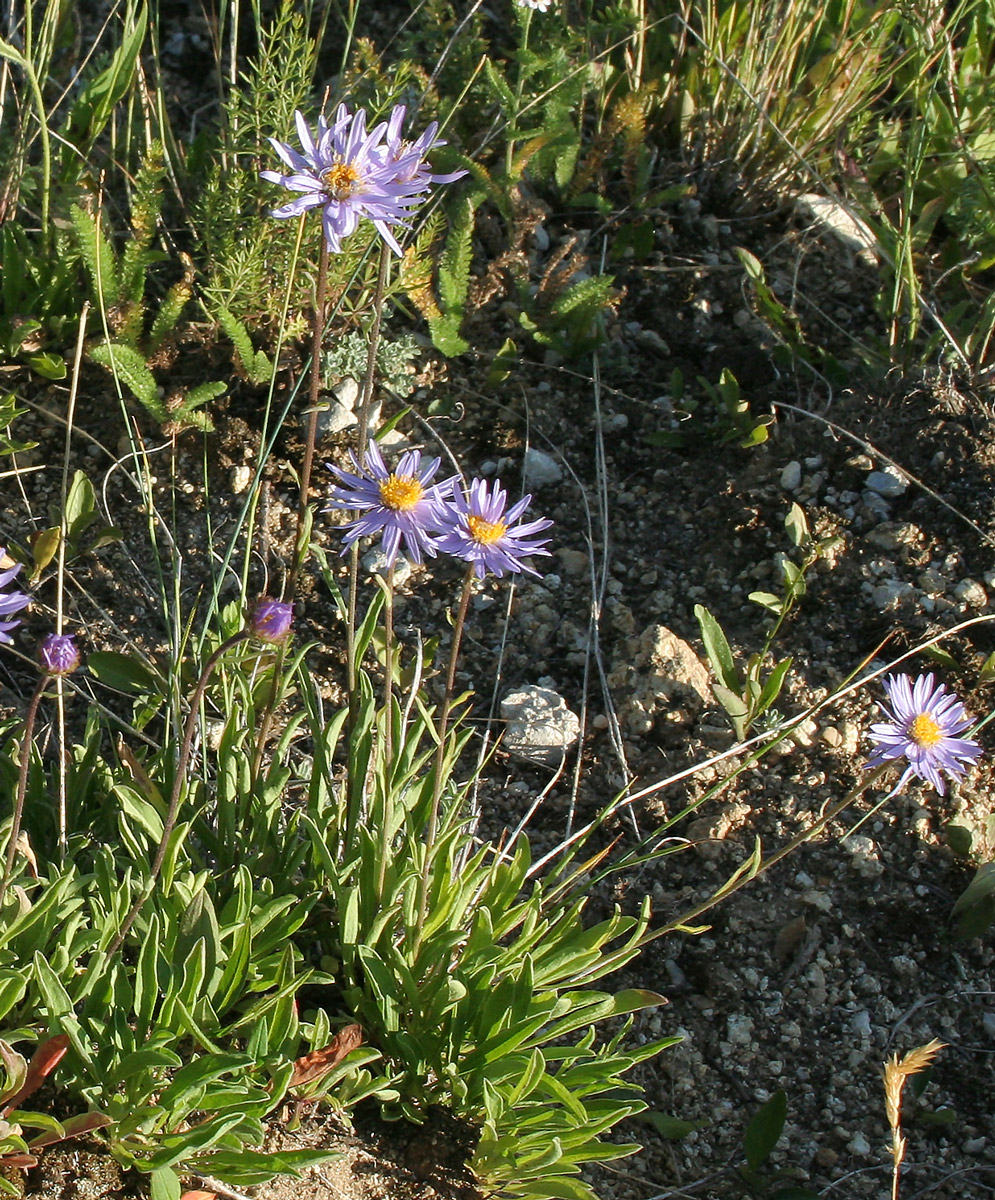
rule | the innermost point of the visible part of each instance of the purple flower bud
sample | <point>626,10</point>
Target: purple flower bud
<point>271,620</point>
<point>58,654</point>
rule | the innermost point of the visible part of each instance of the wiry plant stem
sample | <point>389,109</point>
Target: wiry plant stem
<point>366,403</point>
<point>22,784</point>
<point>432,829</point>
<point>182,762</point>
<point>317,334</point>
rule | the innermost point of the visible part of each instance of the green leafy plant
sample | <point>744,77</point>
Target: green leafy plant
<point>748,695</point>
<point>119,288</point>
<point>727,418</point>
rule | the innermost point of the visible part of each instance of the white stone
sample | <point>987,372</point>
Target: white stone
<point>859,1145</point>
<point>539,727</point>
<point>841,221</point>
<point>540,469</point>
<point>338,411</point>
<point>241,477</point>
<point>791,475</point>
<point>891,593</point>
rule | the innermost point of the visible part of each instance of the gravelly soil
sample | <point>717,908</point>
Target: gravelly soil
<point>842,955</point>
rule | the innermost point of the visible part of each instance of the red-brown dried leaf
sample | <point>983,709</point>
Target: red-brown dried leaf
<point>45,1059</point>
<point>319,1062</point>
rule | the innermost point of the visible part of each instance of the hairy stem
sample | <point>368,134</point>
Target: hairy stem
<point>317,334</point>
<point>432,829</point>
<point>22,785</point>
<point>182,762</point>
<point>366,404</point>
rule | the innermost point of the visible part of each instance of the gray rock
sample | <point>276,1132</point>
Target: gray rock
<point>893,535</point>
<point>891,593</point>
<point>375,563</point>
<point>888,483</point>
<point>540,469</point>
<point>340,409</point>
<point>971,593</point>
<point>791,476</point>
<point>539,727</point>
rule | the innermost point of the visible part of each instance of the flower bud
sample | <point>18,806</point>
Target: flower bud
<point>58,654</point>
<point>271,620</point>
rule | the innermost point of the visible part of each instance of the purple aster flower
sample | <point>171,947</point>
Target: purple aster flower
<point>924,719</point>
<point>271,620</point>
<point>408,158</point>
<point>10,602</point>
<point>480,531</point>
<point>402,503</point>
<point>58,654</point>
<point>350,173</point>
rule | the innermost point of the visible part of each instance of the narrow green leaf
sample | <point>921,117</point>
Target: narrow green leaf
<point>765,1129</point>
<point>164,1184</point>
<point>718,650</point>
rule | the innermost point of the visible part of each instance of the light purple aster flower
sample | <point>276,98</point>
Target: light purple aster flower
<point>480,531</point>
<point>408,158</point>
<point>402,503</point>
<point>58,654</point>
<point>924,719</point>
<point>350,173</point>
<point>10,602</point>
<point>271,620</point>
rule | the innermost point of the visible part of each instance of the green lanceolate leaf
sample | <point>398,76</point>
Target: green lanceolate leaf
<point>764,1130</point>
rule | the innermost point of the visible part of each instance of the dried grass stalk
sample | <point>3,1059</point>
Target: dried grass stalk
<point>896,1071</point>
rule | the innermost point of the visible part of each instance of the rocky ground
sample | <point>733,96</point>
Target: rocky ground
<point>812,975</point>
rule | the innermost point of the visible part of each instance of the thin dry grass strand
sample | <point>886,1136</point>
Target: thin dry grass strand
<point>986,537</point>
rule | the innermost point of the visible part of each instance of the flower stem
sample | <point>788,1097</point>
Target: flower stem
<point>744,877</point>
<point>366,404</point>
<point>179,779</point>
<point>388,728</point>
<point>317,333</point>
<point>22,785</point>
<point>432,829</point>
<point>509,154</point>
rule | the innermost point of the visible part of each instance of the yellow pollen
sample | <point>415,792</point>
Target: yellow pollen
<point>342,180</point>
<point>486,532</point>
<point>401,492</point>
<point>924,731</point>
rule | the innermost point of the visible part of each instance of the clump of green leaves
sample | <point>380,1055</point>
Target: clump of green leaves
<point>748,694</point>
<point>348,359</point>
<point>727,417</point>
<point>119,283</point>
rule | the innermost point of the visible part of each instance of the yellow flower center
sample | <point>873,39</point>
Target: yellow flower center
<point>401,492</point>
<point>924,731</point>
<point>342,180</point>
<point>486,532</point>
